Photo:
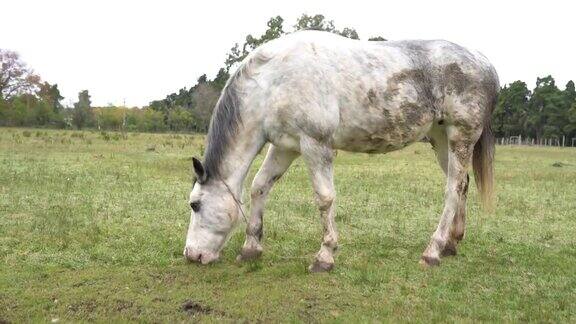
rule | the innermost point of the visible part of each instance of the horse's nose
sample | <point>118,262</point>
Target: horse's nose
<point>204,257</point>
<point>192,255</point>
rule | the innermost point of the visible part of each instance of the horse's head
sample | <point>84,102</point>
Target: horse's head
<point>214,214</point>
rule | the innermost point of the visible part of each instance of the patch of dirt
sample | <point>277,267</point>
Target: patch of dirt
<point>559,164</point>
<point>86,306</point>
<point>191,307</point>
<point>123,305</point>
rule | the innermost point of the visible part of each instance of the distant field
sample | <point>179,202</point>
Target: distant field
<point>92,227</point>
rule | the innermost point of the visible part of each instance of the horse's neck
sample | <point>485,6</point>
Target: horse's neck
<point>238,159</point>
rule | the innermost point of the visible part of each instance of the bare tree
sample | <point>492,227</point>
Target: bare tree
<point>15,77</point>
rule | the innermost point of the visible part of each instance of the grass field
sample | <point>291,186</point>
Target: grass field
<point>92,227</point>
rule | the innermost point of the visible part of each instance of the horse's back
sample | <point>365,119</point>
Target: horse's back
<point>367,96</point>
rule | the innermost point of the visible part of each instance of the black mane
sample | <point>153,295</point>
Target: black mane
<point>226,116</point>
<point>223,127</point>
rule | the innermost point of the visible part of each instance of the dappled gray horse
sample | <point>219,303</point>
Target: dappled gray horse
<point>312,92</point>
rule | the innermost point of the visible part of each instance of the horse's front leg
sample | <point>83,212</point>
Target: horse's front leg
<point>319,158</point>
<point>275,164</point>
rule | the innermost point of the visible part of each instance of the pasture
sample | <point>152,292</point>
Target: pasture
<point>92,228</point>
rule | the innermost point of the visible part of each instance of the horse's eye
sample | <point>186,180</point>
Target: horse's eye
<point>195,206</point>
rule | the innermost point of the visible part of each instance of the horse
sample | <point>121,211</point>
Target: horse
<point>311,93</point>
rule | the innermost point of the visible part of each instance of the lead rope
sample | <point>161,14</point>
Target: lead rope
<point>238,203</point>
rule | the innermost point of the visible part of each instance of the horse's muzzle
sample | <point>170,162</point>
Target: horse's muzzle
<point>195,255</point>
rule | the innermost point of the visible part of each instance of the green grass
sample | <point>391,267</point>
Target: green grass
<point>92,227</point>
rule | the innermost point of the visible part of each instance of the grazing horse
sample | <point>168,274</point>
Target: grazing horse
<point>310,93</point>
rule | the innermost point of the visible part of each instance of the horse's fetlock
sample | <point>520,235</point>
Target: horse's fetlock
<point>331,243</point>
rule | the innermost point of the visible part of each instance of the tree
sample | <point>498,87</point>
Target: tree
<point>5,112</point>
<point>110,117</point>
<point>545,109</point>
<point>15,77</point>
<point>152,121</point>
<point>43,113</point>
<point>510,114</point>
<point>202,79</point>
<point>159,105</point>
<point>50,94</point>
<point>349,33</point>
<point>205,98</point>
<point>82,115</point>
<point>220,81</point>
<point>316,22</point>
<point>236,55</point>
<point>569,95</point>
<point>179,119</point>
<point>570,128</point>
<point>377,39</point>
<point>319,22</point>
<point>19,113</point>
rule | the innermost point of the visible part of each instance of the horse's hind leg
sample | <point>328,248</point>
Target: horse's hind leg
<point>319,159</point>
<point>275,164</point>
<point>459,145</point>
<point>439,141</point>
<point>458,227</point>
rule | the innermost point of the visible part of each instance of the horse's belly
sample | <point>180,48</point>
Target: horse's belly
<point>379,134</point>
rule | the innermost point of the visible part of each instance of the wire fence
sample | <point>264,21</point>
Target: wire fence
<point>554,141</point>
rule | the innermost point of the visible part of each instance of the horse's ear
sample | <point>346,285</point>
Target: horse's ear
<point>201,174</point>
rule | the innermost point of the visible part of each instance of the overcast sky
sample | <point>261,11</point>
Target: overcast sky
<point>139,51</point>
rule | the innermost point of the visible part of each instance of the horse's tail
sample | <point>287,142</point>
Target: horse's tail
<point>483,161</point>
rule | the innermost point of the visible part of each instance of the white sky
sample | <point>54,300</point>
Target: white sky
<point>139,51</point>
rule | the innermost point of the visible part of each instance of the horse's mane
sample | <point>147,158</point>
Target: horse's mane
<point>226,116</point>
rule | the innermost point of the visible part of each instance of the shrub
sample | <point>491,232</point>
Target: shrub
<point>77,135</point>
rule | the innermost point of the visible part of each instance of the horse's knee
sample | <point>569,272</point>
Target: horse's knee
<point>325,200</point>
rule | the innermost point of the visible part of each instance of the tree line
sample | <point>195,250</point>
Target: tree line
<point>544,112</point>
<point>25,100</point>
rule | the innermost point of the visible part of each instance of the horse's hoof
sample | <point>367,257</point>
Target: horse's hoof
<point>449,250</point>
<point>427,261</point>
<point>320,266</point>
<point>249,254</point>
